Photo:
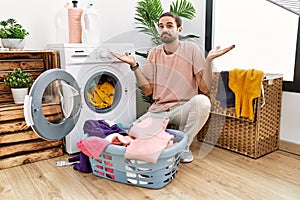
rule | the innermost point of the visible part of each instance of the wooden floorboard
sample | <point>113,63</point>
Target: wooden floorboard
<point>215,173</point>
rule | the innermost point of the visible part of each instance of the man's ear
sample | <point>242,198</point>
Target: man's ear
<point>180,29</point>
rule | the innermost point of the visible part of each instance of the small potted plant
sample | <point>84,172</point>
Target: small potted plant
<point>19,81</point>
<point>12,34</point>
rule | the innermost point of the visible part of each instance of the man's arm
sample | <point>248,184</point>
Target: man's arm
<point>145,85</point>
<point>204,77</point>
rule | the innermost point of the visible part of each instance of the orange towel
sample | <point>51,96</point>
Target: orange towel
<point>246,85</point>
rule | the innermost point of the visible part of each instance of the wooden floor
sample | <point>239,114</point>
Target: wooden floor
<point>218,175</point>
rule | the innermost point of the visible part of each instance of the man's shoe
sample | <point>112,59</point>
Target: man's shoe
<point>186,156</point>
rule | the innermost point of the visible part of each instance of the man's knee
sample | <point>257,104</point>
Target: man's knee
<point>203,103</point>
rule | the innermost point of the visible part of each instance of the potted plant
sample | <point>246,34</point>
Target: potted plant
<point>12,34</point>
<point>19,81</point>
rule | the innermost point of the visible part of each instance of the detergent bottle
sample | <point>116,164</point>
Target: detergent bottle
<point>62,24</point>
<point>68,24</point>
<point>90,23</point>
<point>74,19</point>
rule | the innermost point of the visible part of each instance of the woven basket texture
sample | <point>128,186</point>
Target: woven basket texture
<point>251,138</point>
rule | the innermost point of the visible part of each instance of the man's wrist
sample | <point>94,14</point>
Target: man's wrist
<point>133,68</point>
<point>209,59</point>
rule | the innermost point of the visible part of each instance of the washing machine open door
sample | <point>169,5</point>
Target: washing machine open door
<point>53,105</point>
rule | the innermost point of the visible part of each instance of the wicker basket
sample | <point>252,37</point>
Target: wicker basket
<point>252,138</point>
<point>112,165</point>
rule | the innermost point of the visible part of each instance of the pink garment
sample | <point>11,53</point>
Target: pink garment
<point>92,146</point>
<point>118,139</point>
<point>151,139</point>
<point>173,75</point>
<point>148,127</point>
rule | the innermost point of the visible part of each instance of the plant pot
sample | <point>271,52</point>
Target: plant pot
<point>19,94</point>
<point>12,43</point>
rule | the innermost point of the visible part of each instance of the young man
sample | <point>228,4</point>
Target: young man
<point>174,74</point>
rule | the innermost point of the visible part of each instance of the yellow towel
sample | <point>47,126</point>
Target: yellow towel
<point>102,95</point>
<point>246,85</point>
<point>235,83</point>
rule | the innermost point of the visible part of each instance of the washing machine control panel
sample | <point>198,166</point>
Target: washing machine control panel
<point>104,55</point>
<point>78,54</point>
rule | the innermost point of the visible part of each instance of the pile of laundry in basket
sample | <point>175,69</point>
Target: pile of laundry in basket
<point>144,141</point>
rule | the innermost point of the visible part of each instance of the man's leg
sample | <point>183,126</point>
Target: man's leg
<point>191,117</point>
<point>151,114</point>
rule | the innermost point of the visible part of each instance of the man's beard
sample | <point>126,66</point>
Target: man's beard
<point>167,39</point>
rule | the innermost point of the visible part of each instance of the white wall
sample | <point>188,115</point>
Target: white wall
<point>290,124</point>
<point>117,25</point>
<point>269,32</point>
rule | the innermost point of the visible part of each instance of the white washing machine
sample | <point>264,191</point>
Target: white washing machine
<point>95,73</point>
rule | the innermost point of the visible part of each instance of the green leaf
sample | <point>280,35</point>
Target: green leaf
<point>10,29</point>
<point>144,55</point>
<point>189,36</point>
<point>183,8</point>
<point>18,79</point>
<point>146,16</point>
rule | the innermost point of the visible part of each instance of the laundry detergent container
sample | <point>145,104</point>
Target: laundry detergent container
<point>68,24</point>
<point>112,165</point>
<point>90,23</point>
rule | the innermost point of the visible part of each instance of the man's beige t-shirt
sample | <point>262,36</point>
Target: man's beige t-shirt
<point>173,76</point>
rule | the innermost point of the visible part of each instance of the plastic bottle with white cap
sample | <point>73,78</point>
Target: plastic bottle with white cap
<point>90,23</point>
<point>62,24</point>
<point>68,23</point>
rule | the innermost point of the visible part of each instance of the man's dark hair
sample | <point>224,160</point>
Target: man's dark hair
<point>175,16</point>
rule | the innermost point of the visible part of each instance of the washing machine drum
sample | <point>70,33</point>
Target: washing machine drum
<point>53,105</point>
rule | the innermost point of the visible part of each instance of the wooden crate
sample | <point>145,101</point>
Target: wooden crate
<point>33,62</point>
<point>19,144</point>
<point>253,138</point>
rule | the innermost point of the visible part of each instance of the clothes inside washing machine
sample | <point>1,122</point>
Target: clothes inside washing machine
<point>101,95</point>
<point>102,92</point>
